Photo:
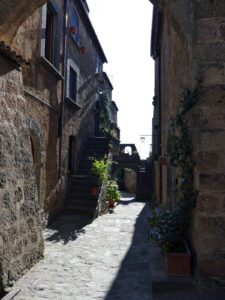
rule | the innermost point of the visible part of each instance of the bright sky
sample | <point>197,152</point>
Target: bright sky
<point>124,29</point>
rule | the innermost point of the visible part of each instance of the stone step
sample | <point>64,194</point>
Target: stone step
<point>80,203</point>
<point>75,219</point>
<point>86,183</point>
<point>82,210</point>
<point>83,171</point>
<point>81,188</point>
<point>77,177</point>
<point>79,195</point>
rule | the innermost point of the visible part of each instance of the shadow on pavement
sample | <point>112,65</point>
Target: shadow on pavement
<point>65,230</point>
<point>132,281</point>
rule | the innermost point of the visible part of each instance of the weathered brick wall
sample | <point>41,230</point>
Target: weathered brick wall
<point>30,113</point>
<point>208,140</point>
<point>43,109</point>
<point>193,56</point>
<point>176,75</point>
<point>21,243</point>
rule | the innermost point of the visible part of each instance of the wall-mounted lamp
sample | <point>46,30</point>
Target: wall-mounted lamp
<point>142,138</point>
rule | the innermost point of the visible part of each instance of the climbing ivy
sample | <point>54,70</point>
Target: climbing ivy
<point>106,113</point>
<point>171,226</point>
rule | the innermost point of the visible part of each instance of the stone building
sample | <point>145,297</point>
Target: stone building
<point>50,79</point>
<point>188,48</point>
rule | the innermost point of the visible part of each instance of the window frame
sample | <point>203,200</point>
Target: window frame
<point>72,81</point>
<point>72,65</point>
<point>53,7</point>
<point>98,65</point>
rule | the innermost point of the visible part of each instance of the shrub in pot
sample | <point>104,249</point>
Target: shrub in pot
<point>112,193</point>
<point>169,233</point>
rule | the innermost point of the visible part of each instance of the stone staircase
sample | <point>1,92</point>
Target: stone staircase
<point>144,190</point>
<point>80,202</point>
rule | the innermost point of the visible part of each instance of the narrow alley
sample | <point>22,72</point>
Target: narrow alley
<point>108,259</point>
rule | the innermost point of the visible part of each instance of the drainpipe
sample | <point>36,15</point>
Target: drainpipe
<point>64,64</point>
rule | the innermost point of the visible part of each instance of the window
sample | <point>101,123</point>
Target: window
<point>74,24</point>
<point>72,84</point>
<point>98,65</point>
<point>50,39</point>
<point>49,34</point>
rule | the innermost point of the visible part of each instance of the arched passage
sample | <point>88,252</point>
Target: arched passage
<point>126,179</point>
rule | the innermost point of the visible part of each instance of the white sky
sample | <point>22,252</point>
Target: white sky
<point>124,29</point>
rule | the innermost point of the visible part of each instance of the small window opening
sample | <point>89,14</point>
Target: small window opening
<point>72,84</point>
<point>49,34</point>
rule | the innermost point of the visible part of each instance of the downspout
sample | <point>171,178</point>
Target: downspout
<point>64,63</point>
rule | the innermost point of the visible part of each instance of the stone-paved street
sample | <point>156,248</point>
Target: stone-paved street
<point>108,259</point>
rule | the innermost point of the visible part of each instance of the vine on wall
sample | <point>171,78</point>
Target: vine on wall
<point>171,226</point>
<point>180,153</point>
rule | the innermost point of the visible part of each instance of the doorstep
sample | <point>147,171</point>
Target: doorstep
<point>161,283</point>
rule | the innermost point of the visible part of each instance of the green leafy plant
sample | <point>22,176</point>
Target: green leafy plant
<point>99,166</point>
<point>171,226</point>
<point>107,123</point>
<point>112,191</point>
<point>168,231</point>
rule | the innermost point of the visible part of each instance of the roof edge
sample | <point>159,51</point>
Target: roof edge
<point>92,30</point>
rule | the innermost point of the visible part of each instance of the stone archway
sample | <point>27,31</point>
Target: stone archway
<point>129,160</point>
<point>126,179</point>
<point>38,153</point>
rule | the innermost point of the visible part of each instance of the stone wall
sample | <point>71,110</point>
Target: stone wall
<point>13,14</point>
<point>21,243</point>
<point>43,89</point>
<point>192,56</point>
<point>130,180</point>
<point>33,186</point>
<point>208,139</point>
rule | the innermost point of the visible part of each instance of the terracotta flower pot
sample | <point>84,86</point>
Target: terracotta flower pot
<point>83,50</point>
<point>94,191</point>
<point>162,161</point>
<point>73,29</point>
<point>111,203</point>
<point>178,264</point>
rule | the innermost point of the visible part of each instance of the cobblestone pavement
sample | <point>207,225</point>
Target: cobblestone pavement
<point>108,259</point>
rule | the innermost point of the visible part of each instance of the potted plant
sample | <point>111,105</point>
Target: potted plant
<point>73,29</point>
<point>83,50</point>
<point>112,193</point>
<point>98,169</point>
<point>162,160</point>
<point>169,233</point>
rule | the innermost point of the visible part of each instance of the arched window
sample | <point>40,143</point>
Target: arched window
<point>128,150</point>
